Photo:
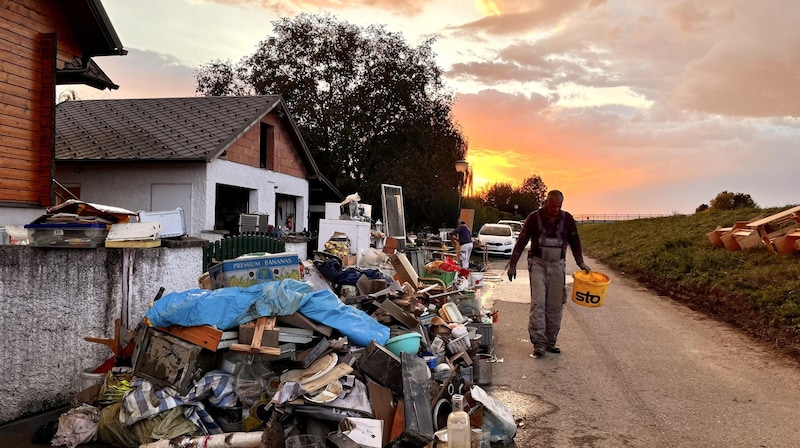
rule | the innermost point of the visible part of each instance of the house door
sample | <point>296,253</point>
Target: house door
<point>285,212</point>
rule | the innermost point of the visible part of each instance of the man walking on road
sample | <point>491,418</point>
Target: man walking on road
<point>549,230</point>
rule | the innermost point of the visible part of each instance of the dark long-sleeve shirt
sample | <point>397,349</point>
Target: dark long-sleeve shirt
<point>463,234</point>
<point>530,232</point>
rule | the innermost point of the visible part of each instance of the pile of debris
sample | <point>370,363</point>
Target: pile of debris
<point>290,356</point>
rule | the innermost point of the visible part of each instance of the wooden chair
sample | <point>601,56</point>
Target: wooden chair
<point>787,244</point>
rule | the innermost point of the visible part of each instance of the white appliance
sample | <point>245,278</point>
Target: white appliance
<point>357,231</point>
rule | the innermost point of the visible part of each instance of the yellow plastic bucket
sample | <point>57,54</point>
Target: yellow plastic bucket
<point>589,288</point>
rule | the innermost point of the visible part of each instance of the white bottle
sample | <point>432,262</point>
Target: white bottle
<point>458,430</point>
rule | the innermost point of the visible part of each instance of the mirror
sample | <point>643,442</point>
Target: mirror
<point>393,212</point>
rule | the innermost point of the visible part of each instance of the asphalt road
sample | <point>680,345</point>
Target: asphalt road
<point>640,371</point>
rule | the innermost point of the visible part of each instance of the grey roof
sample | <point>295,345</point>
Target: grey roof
<point>156,129</point>
<point>168,129</point>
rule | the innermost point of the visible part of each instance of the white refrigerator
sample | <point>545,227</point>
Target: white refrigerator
<point>357,231</point>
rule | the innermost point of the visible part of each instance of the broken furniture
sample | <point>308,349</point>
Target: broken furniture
<point>407,274</point>
<point>775,226</point>
<point>263,324</point>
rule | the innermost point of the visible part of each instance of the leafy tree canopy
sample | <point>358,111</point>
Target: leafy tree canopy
<point>528,197</point>
<point>371,108</point>
<point>730,201</point>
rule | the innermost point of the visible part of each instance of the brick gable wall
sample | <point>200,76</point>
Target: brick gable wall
<point>282,156</point>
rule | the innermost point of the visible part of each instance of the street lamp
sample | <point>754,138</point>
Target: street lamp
<point>461,168</point>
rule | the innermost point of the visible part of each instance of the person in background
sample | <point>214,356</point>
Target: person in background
<point>549,230</point>
<point>464,237</point>
<point>290,223</point>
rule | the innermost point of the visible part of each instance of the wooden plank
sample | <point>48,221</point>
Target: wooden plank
<point>135,244</point>
<point>776,217</point>
<point>262,323</point>
<point>203,335</point>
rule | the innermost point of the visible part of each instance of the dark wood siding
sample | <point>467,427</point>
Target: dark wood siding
<point>35,39</point>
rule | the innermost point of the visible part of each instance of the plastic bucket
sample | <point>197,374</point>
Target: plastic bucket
<point>89,379</point>
<point>304,441</point>
<point>476,280</point>
<point>482,369</point>
<point>589,288</point>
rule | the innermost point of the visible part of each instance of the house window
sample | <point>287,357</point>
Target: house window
<point>266,146</point>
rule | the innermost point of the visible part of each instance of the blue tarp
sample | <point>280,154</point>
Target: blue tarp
<point>227,308</point>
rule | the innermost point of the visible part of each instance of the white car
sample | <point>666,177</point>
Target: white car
<point>516,226</point>
<point>496,239</point>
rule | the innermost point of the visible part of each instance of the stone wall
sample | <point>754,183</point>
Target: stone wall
<point>50,299</point>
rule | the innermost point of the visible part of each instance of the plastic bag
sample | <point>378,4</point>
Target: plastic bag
<point>498,420</point>
<point>77,426</point>
<point>256,383</point>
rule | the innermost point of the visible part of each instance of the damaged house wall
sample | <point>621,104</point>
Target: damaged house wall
<point>53,298</point>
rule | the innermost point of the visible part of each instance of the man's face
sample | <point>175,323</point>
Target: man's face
<point>553,206</point>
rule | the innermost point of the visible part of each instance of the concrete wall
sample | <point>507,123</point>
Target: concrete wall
<point>50,299</point>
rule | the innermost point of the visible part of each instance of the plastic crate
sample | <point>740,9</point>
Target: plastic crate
<point>487,334</point>
<point>447,277</point>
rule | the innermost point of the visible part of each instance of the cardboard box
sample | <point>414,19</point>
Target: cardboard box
<point>250,269</point>
<point>404,270</point>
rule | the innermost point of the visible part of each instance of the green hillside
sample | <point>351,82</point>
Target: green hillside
<point>754,290</point>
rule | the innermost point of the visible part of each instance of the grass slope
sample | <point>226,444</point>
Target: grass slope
<point>755,290</point>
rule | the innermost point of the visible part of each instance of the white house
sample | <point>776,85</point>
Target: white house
<point>215,157</point>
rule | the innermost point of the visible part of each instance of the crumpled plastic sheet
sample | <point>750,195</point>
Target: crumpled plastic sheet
<point>497,417</point>
<point>227,308</point>
<point>77,426</point>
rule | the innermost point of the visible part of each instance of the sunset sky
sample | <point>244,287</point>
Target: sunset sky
<point>628,107</point>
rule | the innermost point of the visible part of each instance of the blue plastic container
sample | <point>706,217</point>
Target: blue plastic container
<point>404,343</point>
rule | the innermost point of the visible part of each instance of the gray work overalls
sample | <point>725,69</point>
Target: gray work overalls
<point>547,286</point>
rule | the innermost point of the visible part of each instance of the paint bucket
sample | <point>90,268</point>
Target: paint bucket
<point>89,379</point>
<point>476,280</point>
<point>589,288</point>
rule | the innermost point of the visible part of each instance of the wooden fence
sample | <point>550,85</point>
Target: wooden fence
<point>245,243</point>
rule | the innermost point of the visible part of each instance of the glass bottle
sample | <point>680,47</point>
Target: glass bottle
<point>458,430</point>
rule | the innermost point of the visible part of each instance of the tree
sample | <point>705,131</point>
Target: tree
<point>528,197</point>
<point>531,195</point>
<point>371,108</point>
<point>728,201</point>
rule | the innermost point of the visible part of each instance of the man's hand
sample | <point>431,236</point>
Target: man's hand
<point>585,267</point>
<point>512,273</point>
